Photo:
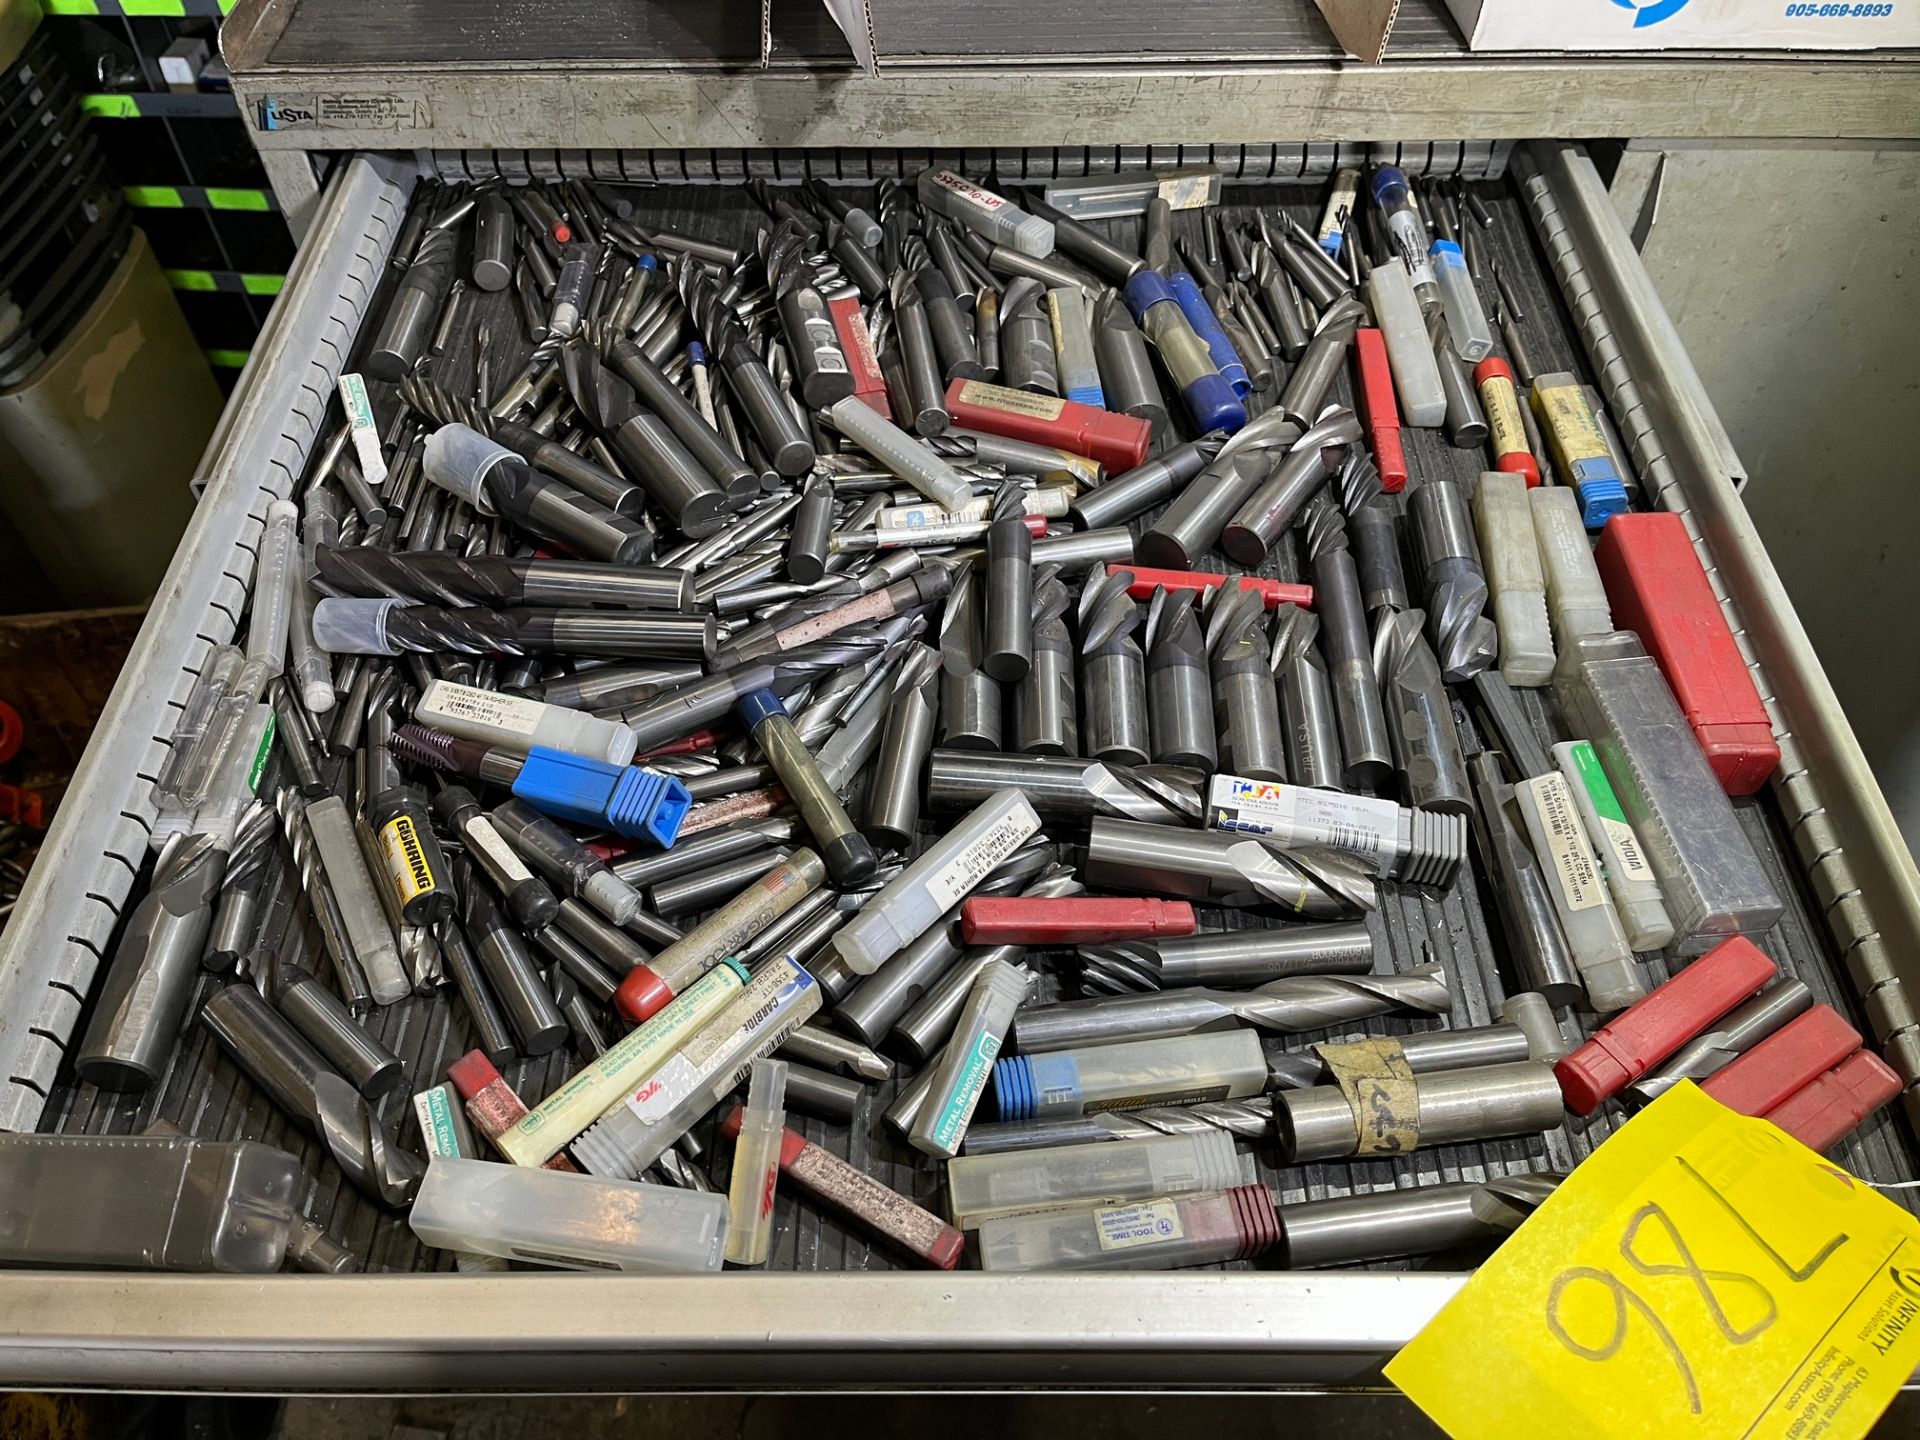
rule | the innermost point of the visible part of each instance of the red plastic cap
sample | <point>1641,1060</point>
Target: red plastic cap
<point>1274,593</point>
<point>791,1141</point>
<point>472,1073</point>
<point>1793,1056</point>
<point>642,995</point>
<point>1118,442</point>
<point>1520,462</point>
<point>1492,368</point>
<point>1825,1111</point>
<point>1644,1034</point>
<point>1037,920</point>
<point>944,1252</point>
<point>1379,411</point>
<point>1659,590</point>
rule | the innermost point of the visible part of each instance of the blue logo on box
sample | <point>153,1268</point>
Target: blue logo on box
<point>1651,12</point>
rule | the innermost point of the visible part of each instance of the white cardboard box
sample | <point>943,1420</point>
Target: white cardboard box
<point>1613,25</point>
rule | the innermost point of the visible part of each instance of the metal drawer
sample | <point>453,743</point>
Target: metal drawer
<point>1826,819</point>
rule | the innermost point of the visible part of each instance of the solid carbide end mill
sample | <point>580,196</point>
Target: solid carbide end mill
<point>1420,723</point>
<point>1246,708</point>
<point>893,800</point>
<point>969,697</point>
<point>1066,786</point>
<point>1306,700</point>
<point>1009,636</point>
<point>1179,686</point>
<point>1374,531</point>
<point>1304,468</point>
<point>1363,730</point>
<point>1046,713</point>
<point>1113,699</point>
<point>1463,638</point>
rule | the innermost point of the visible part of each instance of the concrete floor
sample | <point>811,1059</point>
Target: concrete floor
<point>1793,275</point>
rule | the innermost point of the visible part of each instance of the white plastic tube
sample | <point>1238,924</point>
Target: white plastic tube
<point>1576,598</point>
<point>1416,374</point>
<point>516,723</point>
<point>1600,951</point>
<point>983,1187</point>
<point>960,1077</point>
<point>1630,879</point>
<point>1510,555</point>
<point>900,453</point>
<point>756,1164</point>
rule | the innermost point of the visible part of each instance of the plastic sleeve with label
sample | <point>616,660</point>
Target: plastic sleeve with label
<point>1118,442</point>
<point>360,909</point>
<point>569,1222</point>
<point>900,453</point>
<point>1416,374</point>
<point>636,1130</point>
<point>1600,951</point>
<point>943,876</point>
<point>627,1064</point>
<point>1209,398</point>
<point>1576,598</point>
<point>756,1164</point>
<point>563,860</point>
<point>1510,555</point>
<point>985,1187</point>
<point>984,212</point>
<point>1073,346</point>
<point>1579,447</point>
<point>445,1135</point>
<point>1181,1070</point>
<point>1612,693</point>
<point>515,723</point>
<point>1636,894</point>
<point>1158,1234</point>
<point>960,1075</point>
<point>1631,1044</point>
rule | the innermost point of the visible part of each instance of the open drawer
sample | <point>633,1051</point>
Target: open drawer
<point>828,1313</point>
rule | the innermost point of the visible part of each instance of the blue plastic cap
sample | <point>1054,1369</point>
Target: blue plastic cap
<point>1013,1088</point>
<point>1334,243</point>
<point>1385,181</point>
<point>1146,289</point>
<point>1601,499</point>
<point>647,262</point>
<point>696,353</point>
<point>1088,395</point>
<point>1448,251</point>
<point>758,705</point>
<point>1213,405</point>
<point>640,804</point>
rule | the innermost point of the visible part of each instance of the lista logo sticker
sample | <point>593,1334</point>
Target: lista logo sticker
<point>1651,12</point>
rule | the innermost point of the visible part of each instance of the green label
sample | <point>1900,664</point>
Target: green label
<point>260,756</point>
<point>110,107</point>
<point>226,198</point>
<point>353,391</point>
<point>966,1091</point>
<point>435,1113</point>
<point>263,284</point>
<point>1599,788</point>
<point>154,197</point>
<point>191,279</point>
<point>227,359</point>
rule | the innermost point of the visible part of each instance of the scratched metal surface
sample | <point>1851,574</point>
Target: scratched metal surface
<point>204,1094</point>
<point>725,33</point>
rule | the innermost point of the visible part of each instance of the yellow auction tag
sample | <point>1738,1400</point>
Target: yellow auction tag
<point>1700,1275</point>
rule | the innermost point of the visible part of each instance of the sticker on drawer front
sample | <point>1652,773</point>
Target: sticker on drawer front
<point>1151,1222</point>
<point>1701,1275</point>
<point>342,112</point>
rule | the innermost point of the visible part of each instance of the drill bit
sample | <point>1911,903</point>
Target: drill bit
<point>1067,787</point>
<point>1250,1119</point>
<point>1179,687</point>
<point>291,808</point>
<point>1113,674</point>
<point>1289,1005</point>
<point>237,911</point>
<point>435,401</point>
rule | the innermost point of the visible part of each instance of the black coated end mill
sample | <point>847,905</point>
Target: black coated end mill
<point>1009,638</point>
<point>1113,672</point>
<point>1179,690</point>
<point>1046,714</point>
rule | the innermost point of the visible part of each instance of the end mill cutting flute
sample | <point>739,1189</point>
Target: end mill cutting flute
<point>1306,699</point>
<point>1420,723</point>
<point>1289,1005</point>
<point>1271,509</point>
<point>1179,687</point>
<point>1463,638</point>
<point>970,707</point>
<point>1009,577</point>
<point>441,578</point>
<point>1363,729</point>
<point>1246,709</point>
<point>1112,691</point>
<point>1046,717</point>
<point>1237,957</point>
<point>1228,869</point>
<point>388,627</point>
<point>1320,365</point>
<point>1252,1120</point>
<point>1066,787</point>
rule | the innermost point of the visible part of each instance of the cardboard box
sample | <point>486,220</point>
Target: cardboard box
<point>1614,25</point>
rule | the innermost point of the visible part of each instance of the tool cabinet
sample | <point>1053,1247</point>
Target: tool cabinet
<point>832,1310</point>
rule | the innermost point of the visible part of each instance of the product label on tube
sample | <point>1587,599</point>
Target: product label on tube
<point>966,190</point>
<point>955,880</point>
<point>1571,862</point>
<point>475,706</point>
<point>366,435</point>
<point>1151,1222</point>
<point>966,1091</point>
<point>1010,402</point>
<point>1295,815</point>
<point>1623,846</point>
<point>434,1112</point>
<point>664,1089</point>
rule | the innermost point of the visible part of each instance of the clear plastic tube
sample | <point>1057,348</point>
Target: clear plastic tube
<point>985,1187</point>
<point>312,666</point>
<point>1636,894</point>
<point>1510,555</point>
<point>195,745</point>
<point>572,1222</point>
<point>899,452</point>
<point>1466,320</point>
<point>1159,1234</point>
<point>960,1078</point>
<point>1416,374</point>
<point>756,1164</point>
<point>368,932</point>
<point>1407,230</point>
<point>1576,596</point>
<point>937,881</point>
<point>1180,1070</point>
<point>565,861</point>
<point>1599,944</point>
